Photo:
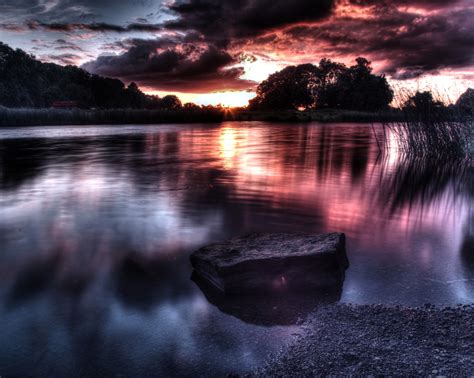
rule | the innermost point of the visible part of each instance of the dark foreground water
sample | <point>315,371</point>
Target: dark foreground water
<point>97,225</point>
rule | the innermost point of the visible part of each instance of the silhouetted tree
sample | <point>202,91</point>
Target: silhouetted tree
<point>330,84</point>
<point>328,74</point>
<point>26,82</point>
<point>191,106</point>
<point>422,102</point>
<point>135,98</point>
<point>289,88</point>
<point>358,89</point>
<point>170,102</point>
<point>465,102</point>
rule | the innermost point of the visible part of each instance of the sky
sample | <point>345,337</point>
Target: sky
<point>217,51</point>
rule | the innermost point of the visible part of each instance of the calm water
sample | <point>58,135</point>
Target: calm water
<point>97,225</point>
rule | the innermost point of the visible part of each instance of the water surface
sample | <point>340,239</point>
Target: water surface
<point>97,224</point>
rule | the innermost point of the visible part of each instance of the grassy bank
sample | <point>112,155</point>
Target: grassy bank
<point>51,117</point>
<point>323,115</point>
<point>55,117</point>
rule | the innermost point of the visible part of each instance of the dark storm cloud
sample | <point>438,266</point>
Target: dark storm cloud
<point>24,6</point>
<point>429,44</point>
<point>74,10</point>
<point>213,24</point>
<point>405,37</point>
<point>65,59</point>
<point>165,65</point>
<point>74,27</point>
<point>12,27</point>
<point>13,10</point>
<point>221,21</point>
<point>77,15</point>
<point>58,45</point>
<point>427,4</point>
<point>411,44</point>
<point>62,44</point>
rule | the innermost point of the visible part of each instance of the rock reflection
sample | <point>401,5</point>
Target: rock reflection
<point>285,309</point>
<point>129,316</point>
<point>36,277</point>
<point>97,224</point>
<point>142,283</point>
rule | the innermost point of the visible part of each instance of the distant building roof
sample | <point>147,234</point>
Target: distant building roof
<point>64,104</point>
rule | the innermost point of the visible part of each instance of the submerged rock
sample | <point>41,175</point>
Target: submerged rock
<point>273,263</point>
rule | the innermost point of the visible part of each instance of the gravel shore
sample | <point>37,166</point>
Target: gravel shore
<point>380,340</point>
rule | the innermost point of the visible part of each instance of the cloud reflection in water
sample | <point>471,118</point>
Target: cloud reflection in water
<point>97,225</point>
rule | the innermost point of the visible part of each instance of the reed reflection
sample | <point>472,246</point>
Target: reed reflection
<point>96,228</point>
<point>216,181</point>
<point>467,246</point>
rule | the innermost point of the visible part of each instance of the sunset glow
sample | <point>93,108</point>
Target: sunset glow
<point>226,99</point>
<point>219,55</point>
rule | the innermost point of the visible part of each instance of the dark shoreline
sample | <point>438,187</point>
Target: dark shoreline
<point>380,340</point>
<point>62,117</point>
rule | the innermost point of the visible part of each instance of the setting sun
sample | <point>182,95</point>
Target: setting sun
<point>227,99</point>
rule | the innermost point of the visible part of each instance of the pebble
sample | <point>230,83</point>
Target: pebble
<point>379,340</point>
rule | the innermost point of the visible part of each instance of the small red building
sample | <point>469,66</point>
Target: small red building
<point>64,104</point>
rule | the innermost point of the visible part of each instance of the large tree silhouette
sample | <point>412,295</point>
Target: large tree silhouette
<point>289,88</point>
<point>327,85</point>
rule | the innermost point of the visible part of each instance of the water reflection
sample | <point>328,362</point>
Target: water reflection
<point>467,246</point>
<point>286,309</point>
<point>97,224</point>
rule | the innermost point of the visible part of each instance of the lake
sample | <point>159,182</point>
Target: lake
<point>97,225</point>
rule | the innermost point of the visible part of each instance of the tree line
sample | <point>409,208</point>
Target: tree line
<point>28,83</point>
<point>326,85</point>
<point>332,85</point>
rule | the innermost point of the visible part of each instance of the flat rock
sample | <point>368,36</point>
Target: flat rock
<point>273,263</point>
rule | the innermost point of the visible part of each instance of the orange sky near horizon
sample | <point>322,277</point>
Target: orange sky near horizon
<point>194,49</point>
<point>445,87</point>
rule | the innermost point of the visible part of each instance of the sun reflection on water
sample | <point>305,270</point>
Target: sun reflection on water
<point>101,228</point>
<point>228,146</point>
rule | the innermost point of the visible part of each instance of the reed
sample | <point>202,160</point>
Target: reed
<point>432,131</point>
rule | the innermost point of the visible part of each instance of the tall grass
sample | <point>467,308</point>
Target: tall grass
<point>446,137</point>
<point>433,131</point>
